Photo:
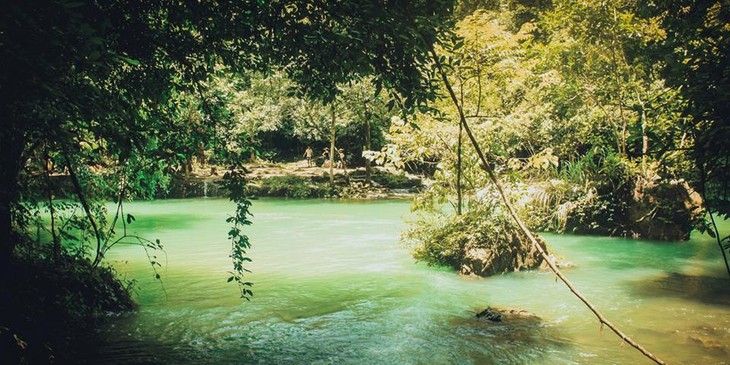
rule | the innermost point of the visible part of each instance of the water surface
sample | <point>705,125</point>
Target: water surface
<point>333,285</point>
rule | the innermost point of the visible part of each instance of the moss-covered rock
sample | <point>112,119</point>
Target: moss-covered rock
<point>666,210</point>
<point>481,242</point>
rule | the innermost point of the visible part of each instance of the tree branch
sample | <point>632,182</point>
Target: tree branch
<point>49,196</point>
<point>490,172</point>
<point>87,208</point>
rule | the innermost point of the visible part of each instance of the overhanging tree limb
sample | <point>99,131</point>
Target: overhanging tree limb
<point>719,240</point>
<point>87,208</point>
<point>490,172</point>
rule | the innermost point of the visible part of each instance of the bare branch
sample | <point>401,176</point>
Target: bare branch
<point>486,167</point>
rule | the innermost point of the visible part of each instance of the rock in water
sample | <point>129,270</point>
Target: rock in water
<point>490,314</point>
<point>508,315</point>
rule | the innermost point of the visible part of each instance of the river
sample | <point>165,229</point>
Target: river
<point>334,285</point>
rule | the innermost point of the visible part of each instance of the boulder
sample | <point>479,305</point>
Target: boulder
<point>492,258</point>
<point>664,210</point>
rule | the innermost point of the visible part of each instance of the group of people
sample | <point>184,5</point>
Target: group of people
<point>309,154</point>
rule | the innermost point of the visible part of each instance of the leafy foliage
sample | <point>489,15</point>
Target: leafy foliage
<point>235,182</point>
<point>481,241</point>
<point>583,126</point>
<point>693,54</point>
<point>292,186</point>
<point>114,76</point>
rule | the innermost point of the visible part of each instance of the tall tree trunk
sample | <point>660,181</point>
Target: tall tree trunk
<point>51,210</point>
<point>458,151</point>
<point>368,166</point>
<point>623,137</point>
<point>11,151</point>
<point>332,147</point>
<point>252,156</point>
<point>644,136</point>
<point>458,171</point>
<point>87,209</point>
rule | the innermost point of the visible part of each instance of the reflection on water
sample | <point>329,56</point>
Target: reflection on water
<point>334,286</point>
<point>709,290</point>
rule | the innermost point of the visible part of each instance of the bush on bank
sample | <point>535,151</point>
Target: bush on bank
<point>51,301</point>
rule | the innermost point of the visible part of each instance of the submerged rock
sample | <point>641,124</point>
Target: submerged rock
<point>508,315</point>
<point>703,289</point>
<point>708,343</point>
<point>490,314</point>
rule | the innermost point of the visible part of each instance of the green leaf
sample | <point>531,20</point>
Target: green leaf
<point>130,61</point>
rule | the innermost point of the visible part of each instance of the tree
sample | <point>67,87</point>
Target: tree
<point>108,70</point>
<point>486,165</point>
<point>257,103</point>
<point>694,56</point>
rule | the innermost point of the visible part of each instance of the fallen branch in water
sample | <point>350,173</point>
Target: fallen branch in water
<point>485,166</point>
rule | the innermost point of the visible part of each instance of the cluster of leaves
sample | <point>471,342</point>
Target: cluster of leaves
<point>266,118</point>
<point>235,183</point>
<point>446,240</point>
<point>695,52</point>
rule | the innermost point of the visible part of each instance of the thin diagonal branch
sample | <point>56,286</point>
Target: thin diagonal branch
<point>490,172</point>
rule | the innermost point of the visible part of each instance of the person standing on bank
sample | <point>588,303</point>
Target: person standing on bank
<point>326,157</point>
<point>341,162</point>
<point>309,153</point>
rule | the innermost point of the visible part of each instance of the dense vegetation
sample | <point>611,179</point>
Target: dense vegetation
<point>119,96</point>
<point>589,114</point>
<point>603,118</point>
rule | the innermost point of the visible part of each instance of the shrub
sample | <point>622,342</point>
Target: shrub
<point>395,181</point>
<point>482,241</point>
<point>50,300</point>
<point>291,186</point>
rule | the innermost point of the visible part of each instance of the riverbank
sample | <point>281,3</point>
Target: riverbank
<point>297,180</point>
<point>51,302</point>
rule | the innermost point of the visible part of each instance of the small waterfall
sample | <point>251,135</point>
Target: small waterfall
<point>205,188</point>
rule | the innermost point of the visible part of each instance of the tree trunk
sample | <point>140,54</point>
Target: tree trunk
<point>458,172</point>
<point>368,166</point>
<point>87,209</point>
<point>332,147</point>
<point>51,210</point>
<point>11,151</point>
<point>252,156</point>
<point>644,136</point>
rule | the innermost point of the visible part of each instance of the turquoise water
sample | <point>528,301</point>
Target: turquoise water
<point>334,285</point>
